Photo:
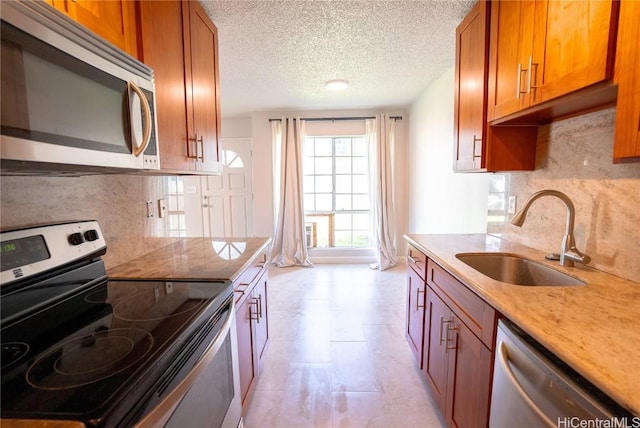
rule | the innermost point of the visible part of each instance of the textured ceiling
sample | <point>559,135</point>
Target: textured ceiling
<point>277,55</point>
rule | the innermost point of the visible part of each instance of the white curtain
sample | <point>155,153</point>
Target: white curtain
<point>381,139</point>
<point>289,243</point>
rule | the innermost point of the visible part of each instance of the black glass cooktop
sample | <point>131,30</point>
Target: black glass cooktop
<point>82,356</point>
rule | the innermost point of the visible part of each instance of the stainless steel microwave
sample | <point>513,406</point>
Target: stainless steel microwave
<point>70,100</point>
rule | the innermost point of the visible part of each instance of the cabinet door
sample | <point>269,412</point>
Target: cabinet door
<point>244,329</point>
<point>472,44</point>
<point>415,313</point>
<point>163,50</point>
<point>435,364</point>
<point>469,377</point>
<point>260,321</point>
<point>512,26</point>
<point>626,146</point>
<point>113,20</point>
<point>573,46</point>
<point>203,99</point>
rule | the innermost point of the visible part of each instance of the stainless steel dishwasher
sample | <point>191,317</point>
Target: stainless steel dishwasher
<point>532,388</point>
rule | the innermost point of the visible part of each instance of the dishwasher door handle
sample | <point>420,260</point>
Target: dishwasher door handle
<point>503,357</point>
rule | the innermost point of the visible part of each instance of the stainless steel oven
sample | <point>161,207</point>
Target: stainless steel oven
<point>70,100</point>
<point>79,346</point>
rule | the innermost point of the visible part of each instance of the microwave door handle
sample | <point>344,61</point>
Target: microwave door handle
<point>146,137</point>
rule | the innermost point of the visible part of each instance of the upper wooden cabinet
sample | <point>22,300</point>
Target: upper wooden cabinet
<point>113,20</point>
<point>627,135</point>
<point>479,147</point>
<point>180,43</point>
<point>542,50</point>
<point>470,118</point>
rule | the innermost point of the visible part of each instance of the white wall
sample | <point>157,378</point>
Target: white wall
<point>441,201</point>
<point>236,128</point>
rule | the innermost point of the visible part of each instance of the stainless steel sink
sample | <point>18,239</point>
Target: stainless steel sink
<point>513,269</point>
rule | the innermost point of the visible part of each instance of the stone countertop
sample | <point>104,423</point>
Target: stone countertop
<point>194,258</point>
<point>594,328</point>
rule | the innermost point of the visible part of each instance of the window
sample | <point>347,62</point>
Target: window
<point>176,221</point>
<point>336,191</point>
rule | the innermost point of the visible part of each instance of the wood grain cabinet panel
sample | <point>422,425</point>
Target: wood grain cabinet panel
<point>414,331</point>
<point>113,20</point>
<point>252,321</point>
<point>457,339</point>
<point>180,43</point>
<point>479,147</point>
<point>543,50</point>
<point>626,146</point>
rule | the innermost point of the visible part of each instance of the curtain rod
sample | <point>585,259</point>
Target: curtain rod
<point>323,119</point>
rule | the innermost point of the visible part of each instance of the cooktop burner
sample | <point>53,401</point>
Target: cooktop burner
<point>80,347</point>
<point>90,358</point>
<point>111,342</point>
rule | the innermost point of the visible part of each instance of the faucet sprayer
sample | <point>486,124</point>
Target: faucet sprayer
<point>568,252</point>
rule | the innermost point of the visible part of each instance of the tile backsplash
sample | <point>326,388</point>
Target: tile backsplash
<point>574,157</point>
<point>118,202</point>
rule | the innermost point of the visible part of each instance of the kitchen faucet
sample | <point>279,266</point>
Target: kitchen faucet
<point>568,252</point>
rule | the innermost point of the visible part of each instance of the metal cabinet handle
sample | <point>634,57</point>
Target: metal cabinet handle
<point>256,312</point>
<point>442,324</point>
<point>503,356</point>
<point>199,144</point>
<point>476,140</point>
<point>418,291</point>
<point>519,91</point>
<point>259,307</point>
<point>518,81</point>
<point>455,345</point>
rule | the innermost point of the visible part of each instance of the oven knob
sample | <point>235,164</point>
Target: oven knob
<point>91,235</point>
<point>76,239</point>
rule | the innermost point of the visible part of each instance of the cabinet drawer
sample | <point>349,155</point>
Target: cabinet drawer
<point>417,260</point>
<point>474,312</point>
<point>247,279</point>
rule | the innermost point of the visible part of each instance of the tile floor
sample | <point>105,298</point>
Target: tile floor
<point>338,357</point>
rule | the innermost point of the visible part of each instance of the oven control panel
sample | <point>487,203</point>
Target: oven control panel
<point>30,251</point>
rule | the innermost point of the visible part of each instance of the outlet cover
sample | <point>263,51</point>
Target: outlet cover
<point>149,209</point>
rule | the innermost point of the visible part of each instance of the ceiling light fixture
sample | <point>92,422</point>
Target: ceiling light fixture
<point>337,85</point>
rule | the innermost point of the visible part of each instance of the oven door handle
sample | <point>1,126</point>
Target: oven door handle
<point>160,415</point>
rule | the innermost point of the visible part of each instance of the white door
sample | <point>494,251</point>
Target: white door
<point>227,199</point>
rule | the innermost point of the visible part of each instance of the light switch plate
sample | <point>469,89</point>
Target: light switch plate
<point>162,208</point>
<point>512,205</point>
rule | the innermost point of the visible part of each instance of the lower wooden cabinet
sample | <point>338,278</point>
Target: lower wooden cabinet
<point>252,324</point>
<point>415,313</point>
<point>457,367</point>
<point>457,337</point>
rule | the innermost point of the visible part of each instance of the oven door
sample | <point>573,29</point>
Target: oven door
<point>209,394</point>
